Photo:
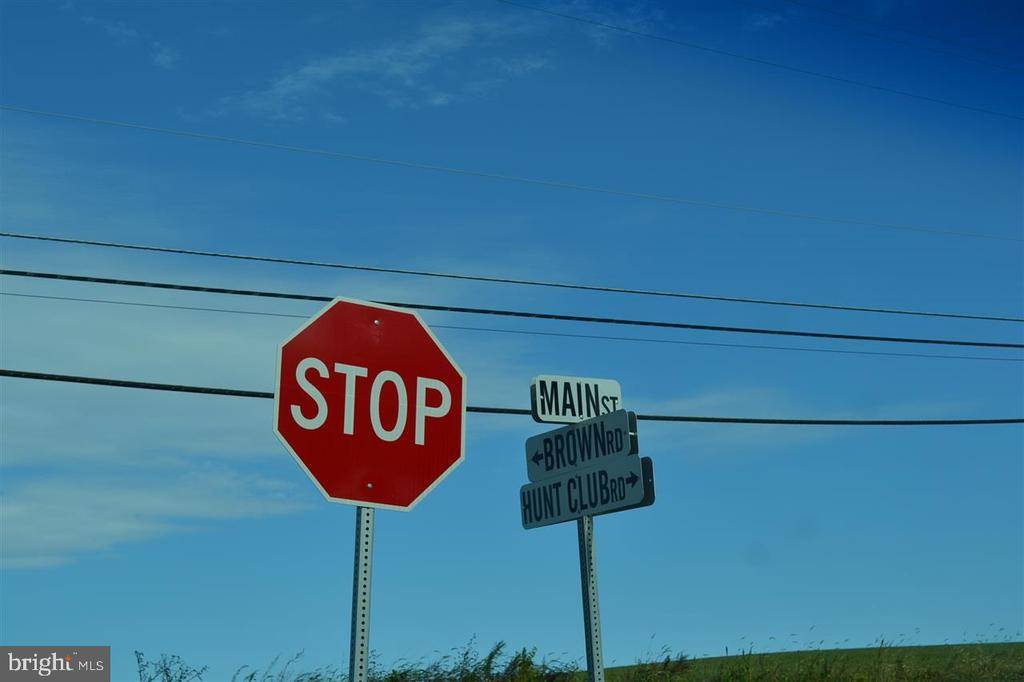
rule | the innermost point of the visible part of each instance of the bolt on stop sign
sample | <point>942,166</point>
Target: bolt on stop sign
<point>370,404</point>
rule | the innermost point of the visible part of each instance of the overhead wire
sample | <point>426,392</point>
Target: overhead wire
<point>512,313</point>
<point>764,62</point>
<point>210,390</point>
<point>579,187</point>
<point>499,280</point>
<point>942,39</point>
<point>528,332</point>
<point>845,26</point>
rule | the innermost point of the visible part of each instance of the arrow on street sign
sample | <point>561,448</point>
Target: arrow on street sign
<point>648,480</point>
<point>581,445</point>
<point>613,485</point>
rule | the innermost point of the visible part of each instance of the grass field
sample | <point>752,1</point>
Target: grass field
<point>983,662</point>
<point>967,662</point>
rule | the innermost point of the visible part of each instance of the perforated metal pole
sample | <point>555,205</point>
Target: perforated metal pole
<point>359,653</point>
<point>591,608</point>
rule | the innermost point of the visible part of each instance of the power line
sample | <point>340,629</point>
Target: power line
<point>513,178</point>
<point>941,39</point>
<point>879,36</point>
<point>765,62</point>
<point>146,385</point>
<point>163,306</point>
<point>207,390</point>
<point>511,313</point>
<point>500,280</point>
<point>601,337</point>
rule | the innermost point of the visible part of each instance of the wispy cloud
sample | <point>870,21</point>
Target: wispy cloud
<point>118,30</point>
<point>47,521</point>
<point>766,402</point>
<point>90,470</point>
<point>641,16</point>
<point>124,466</point>
<point>165,57</point>
<point>715,439</point>
<point>413,72</point>
<point>763,21</point>
<point>445,61</point>
<point>125,35</point>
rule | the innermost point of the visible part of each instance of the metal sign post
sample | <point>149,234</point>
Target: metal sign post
<point>359,652</point>
<point>331,405</point>
<point>588,468</point>
<point>591,606</point>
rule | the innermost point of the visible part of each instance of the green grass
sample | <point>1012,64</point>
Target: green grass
<point>986,662</point>
<point>983,662</point>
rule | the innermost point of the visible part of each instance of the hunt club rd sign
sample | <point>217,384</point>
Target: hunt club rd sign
<point>614,485</point>
<point>370,404</point>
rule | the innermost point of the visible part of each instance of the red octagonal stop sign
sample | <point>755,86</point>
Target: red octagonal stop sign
<point>370,404</point>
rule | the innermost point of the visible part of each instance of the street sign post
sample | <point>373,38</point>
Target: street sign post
<point>582,470</point>
<point>591,605</point>
<point>373,408</point>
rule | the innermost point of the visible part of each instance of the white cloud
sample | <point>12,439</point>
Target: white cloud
<point>413,72</point>
<point>763,402</point>
<point>763,21</point>
<point>118,30</point>
<point>520,66</point>
<point>333,118</point>
<point>641,17</point>
<point>47,521</point>
<point>165,57</point>
<point>161,55</point>
<point>717,439</point>
<point>445,61</point>
<point>87,469</point>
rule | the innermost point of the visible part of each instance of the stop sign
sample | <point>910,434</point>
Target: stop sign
<point>370,404</point>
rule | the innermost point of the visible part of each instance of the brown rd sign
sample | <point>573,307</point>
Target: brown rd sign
<point>580,445</point>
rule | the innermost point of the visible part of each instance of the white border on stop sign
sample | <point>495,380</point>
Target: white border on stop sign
<point>295,456</point>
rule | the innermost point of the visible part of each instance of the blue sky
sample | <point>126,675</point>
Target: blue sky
<point>178,523</point>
